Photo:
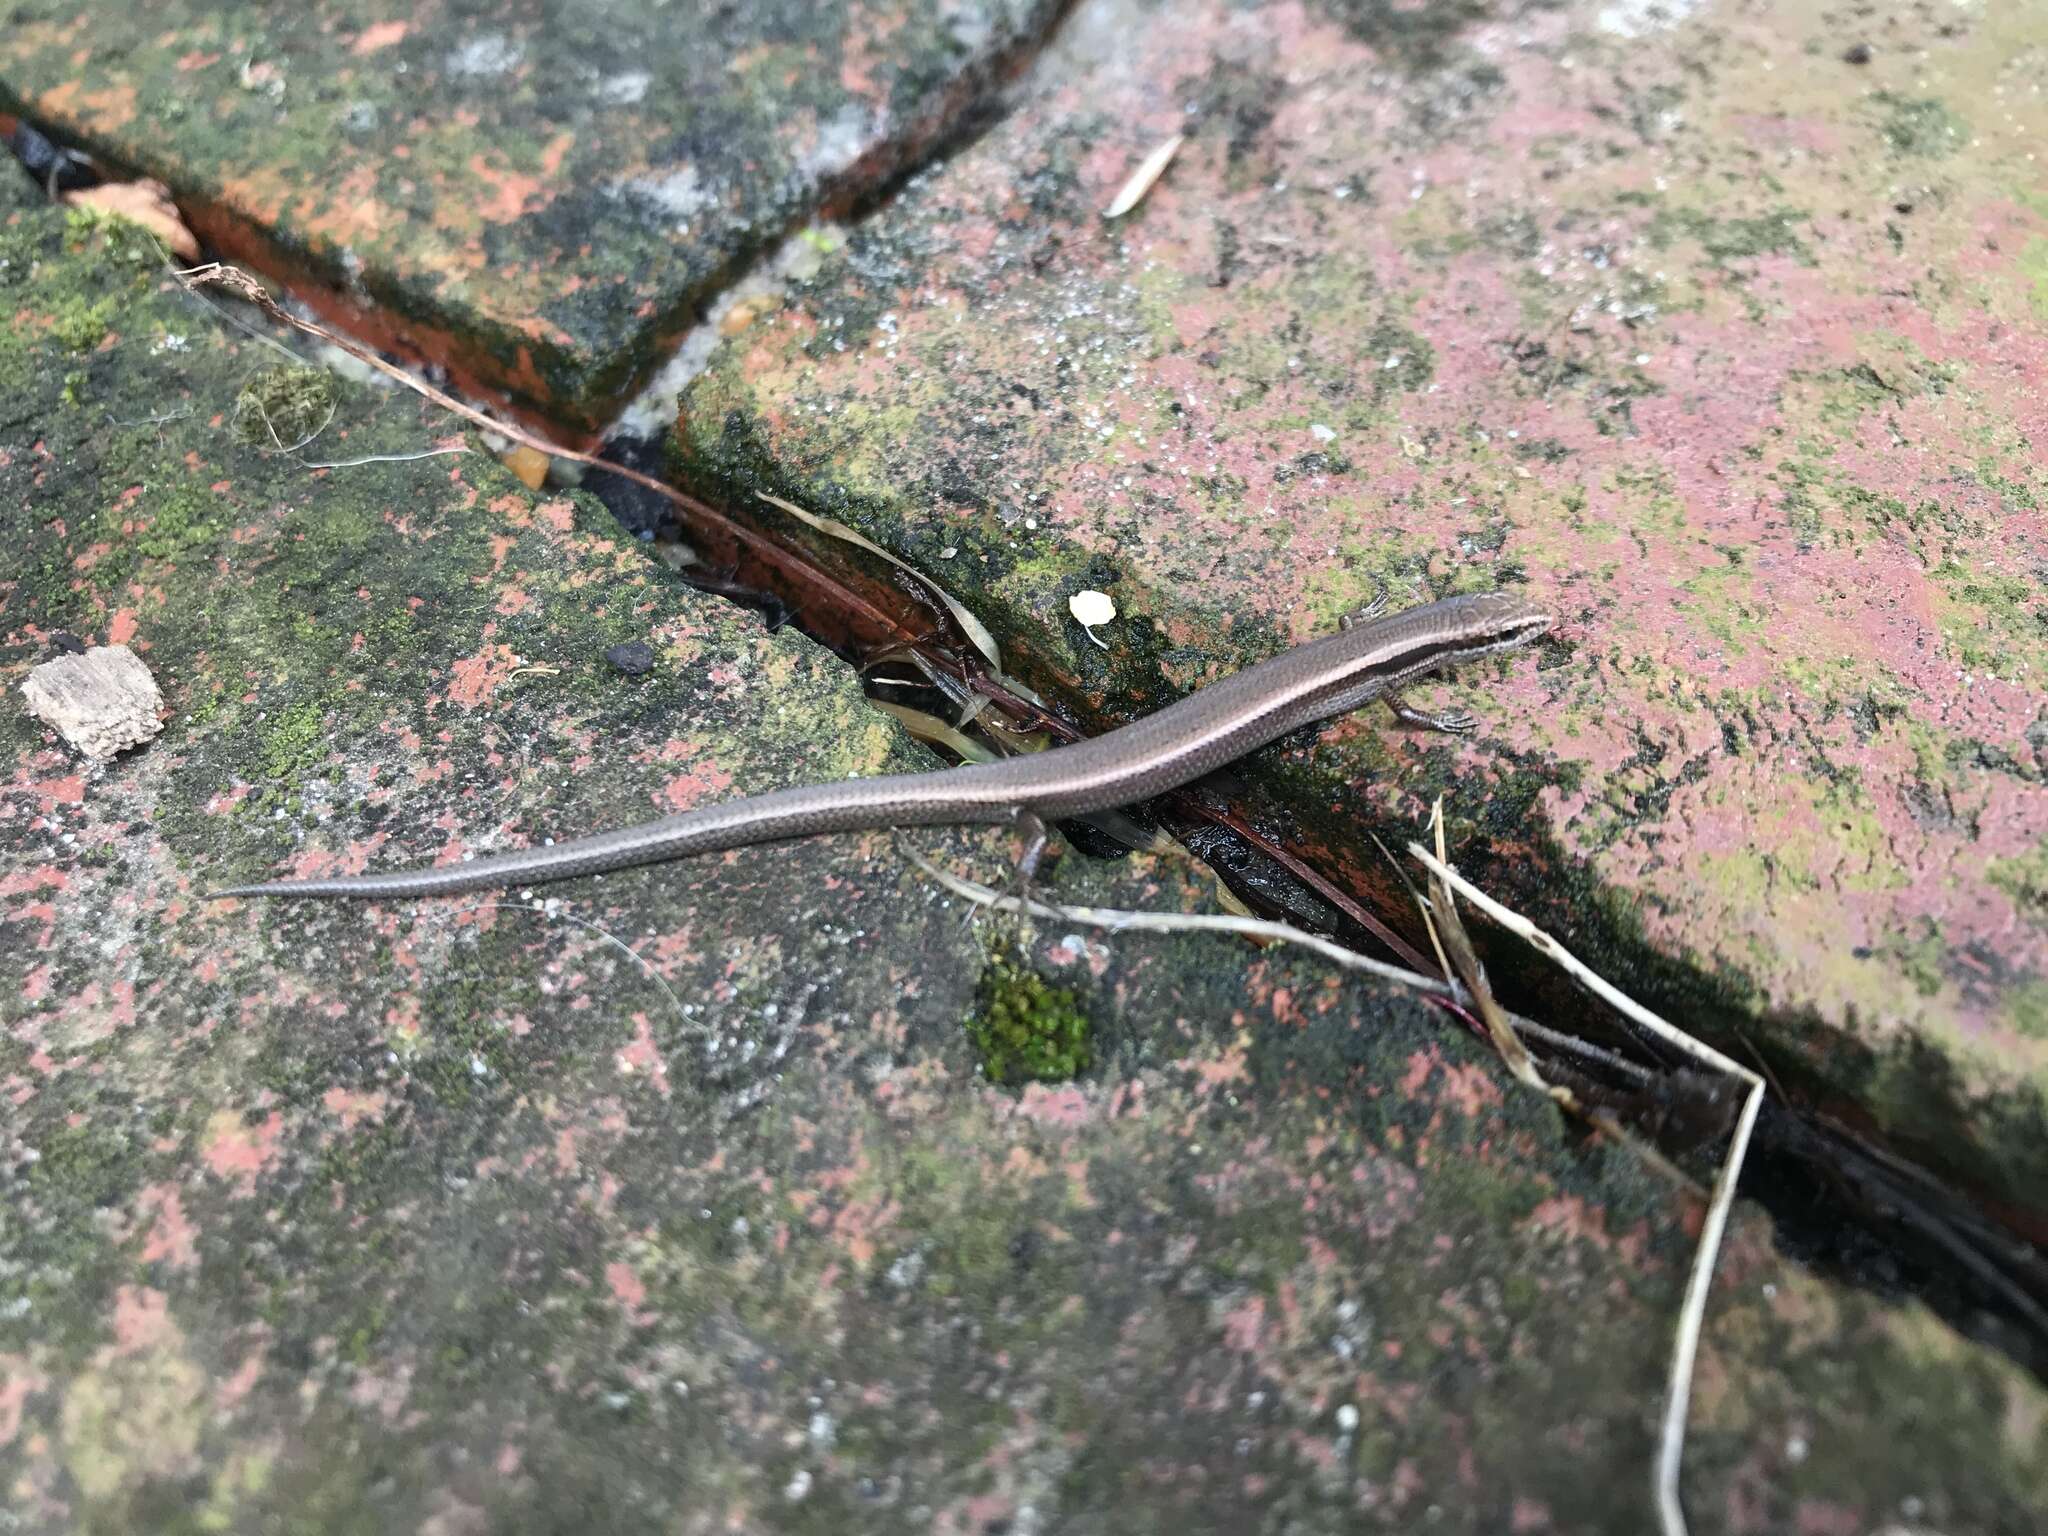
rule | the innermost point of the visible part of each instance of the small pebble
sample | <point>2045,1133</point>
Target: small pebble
<point>632,658</point>
<point>529,464</point>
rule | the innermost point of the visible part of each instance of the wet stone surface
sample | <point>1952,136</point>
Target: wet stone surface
<point>1729,345</point>
<point>453,1217</point>
<point>535,196</point>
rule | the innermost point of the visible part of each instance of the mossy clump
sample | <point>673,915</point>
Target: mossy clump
<point>81,326</point>
<point>114,237</point>
<point>293,740</point>
<point>1027,1029</point>
<point>284,408</point>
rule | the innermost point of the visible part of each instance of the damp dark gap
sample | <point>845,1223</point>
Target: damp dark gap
<point>1842,1204</point>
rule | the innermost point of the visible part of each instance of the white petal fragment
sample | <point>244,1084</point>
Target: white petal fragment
<point>1090,609</point>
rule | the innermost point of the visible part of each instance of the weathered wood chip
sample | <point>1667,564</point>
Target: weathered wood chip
<point>101,702</point>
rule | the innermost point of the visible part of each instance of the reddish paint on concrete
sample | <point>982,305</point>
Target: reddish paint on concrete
<point>1732,348</point>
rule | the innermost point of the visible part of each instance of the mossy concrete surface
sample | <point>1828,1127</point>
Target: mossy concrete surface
<point>1723,327</point>
<point>537,197</point>
<point>455,1217</point>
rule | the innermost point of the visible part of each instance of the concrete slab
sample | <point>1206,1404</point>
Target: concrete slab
<point>536,198</point>
<point>1719,325</point>
<point>455,1217</point>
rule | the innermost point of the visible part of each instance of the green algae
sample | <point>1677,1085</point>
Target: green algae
<point>111,239</point>
<point>284,408</point>
<point>2027,1009</point>
<point>82,325</point>
<point>1027,1029</point>
<point>2024,878</point>
<point>292,741</point>
<point>1727,240</point>
<point>2033,264</point>
<point>1922,127</point>
<point>87,1163</point>
<point>1993,621</point>
<point>182,518</point>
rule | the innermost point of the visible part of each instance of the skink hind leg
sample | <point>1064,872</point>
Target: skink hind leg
<point>1452,722</point>
<point>1018,887</point>
<point>1035,836</point>
<point>1366,613</point>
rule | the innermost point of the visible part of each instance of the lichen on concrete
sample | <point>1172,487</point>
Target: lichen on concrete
<point>1724,342</point>
<point>538,200</point>
<point>457,1215</point>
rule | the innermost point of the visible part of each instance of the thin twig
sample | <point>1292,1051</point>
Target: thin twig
<point>220,311</point>
<point>156,419</point>
<point>1440,911</point>
<point>1692,1312</point>
<point>1120,920</point>
<point>552,910</point>
<point>219,275</point>
<point>385,458</point>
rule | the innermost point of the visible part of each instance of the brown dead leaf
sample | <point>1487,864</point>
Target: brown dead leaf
<point>746,312</point>
<point>529,464</point>
<point>144,202</point>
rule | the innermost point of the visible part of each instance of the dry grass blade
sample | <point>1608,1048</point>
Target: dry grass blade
<point>1507,1032</point>
<point>1122,920</point>
<point>970,626</point>
<point>1447,932</point>
<point>1685,1350</point>
<point>928,727</point>
<point>386,458</point>
<point>1149,170</point>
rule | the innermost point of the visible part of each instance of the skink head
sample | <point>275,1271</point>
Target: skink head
<point>1444,634</point>
<point>1492,621</point>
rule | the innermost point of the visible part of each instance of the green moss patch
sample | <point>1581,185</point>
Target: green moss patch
<point>1027,1029</point>
<point>82,326</point>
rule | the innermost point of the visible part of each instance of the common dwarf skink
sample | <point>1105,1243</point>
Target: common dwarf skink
<point>1369,660</point>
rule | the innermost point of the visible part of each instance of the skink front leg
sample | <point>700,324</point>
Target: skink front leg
<point>1451,723</point>
<point>1366,613</point>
